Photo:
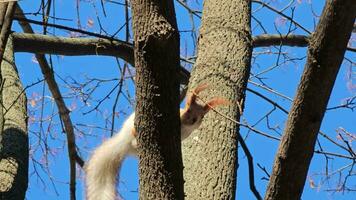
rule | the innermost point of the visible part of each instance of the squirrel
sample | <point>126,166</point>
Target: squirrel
<point>104,164</point>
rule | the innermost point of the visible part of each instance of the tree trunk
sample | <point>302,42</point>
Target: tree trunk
<point>157,94</point>
<point>325,54</point>
<point>223,62</point>
<point>14,143</point>
<point>6,14</point>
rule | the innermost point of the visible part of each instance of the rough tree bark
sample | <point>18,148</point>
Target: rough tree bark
<point>14,142</point>
<point>157,94</point>
<point>325,54</point>
<point>223,62</point>
<point>6,14</point>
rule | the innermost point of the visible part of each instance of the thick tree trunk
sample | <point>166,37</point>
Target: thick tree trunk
<point>157,94</point>
<point>325,54</point>
<point>14,139</point>
<point>223,62</point>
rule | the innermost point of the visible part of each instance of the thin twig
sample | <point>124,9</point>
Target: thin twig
<point>62,109</point>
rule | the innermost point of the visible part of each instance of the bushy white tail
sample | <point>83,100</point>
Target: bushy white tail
<point>104,164</point>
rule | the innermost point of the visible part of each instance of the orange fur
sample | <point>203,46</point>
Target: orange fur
<point>216,102</point>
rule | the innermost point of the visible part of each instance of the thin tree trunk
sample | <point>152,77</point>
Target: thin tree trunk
<point>14,143</point>
<point>157,93</point>
<point>6,14</point>
<point>223,62</point>
<point>325,54</point>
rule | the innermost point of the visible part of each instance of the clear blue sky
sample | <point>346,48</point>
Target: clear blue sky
<point>283,79</point>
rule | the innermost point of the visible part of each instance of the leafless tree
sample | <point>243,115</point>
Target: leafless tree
<point>229,52</point>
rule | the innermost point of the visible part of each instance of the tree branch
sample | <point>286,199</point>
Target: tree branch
<point>285,40</point>
<point>62,109</point>
<point>44,44</point>
<point>281,13</point>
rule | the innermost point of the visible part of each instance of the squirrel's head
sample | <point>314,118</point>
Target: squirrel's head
<point>194,112</point>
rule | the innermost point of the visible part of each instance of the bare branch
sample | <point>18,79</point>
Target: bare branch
<point>63,111</point>
<point>251,171</point>
<point>286,40</point>
<point>282,14</point>
<point>44,44</point>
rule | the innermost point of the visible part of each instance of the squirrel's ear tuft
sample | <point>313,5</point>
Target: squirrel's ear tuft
<point>215,102</point>
<point>200,88</point>
<point>193,95</point>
